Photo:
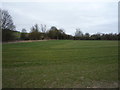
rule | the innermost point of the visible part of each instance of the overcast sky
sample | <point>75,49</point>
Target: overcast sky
<point>91,17</point>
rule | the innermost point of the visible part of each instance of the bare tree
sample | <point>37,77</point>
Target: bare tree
<point>43,28</point>
<point>78,32</point>
<point>34,33</point>
<point>6,20</point>
<point>7,26</point>
<point>36,28</point>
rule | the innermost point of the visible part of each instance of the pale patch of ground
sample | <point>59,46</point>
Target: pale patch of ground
<point>19,41</point>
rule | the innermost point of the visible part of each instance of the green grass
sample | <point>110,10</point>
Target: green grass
<point>60,64</point>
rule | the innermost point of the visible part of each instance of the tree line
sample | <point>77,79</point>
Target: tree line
<point>9,32</point>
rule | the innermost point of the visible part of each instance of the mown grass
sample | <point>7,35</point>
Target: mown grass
<point>60,64</point>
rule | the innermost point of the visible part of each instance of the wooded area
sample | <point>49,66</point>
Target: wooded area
<point>9,32</point>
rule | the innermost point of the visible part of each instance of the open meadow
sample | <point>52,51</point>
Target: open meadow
<point>60,64</point>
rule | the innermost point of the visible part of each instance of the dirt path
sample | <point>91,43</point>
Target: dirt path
<point>24,41</point>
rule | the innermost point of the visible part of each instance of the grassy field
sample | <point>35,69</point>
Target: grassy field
<point>60,64</point>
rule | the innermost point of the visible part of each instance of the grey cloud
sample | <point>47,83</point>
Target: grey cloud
<point>90,17</point>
